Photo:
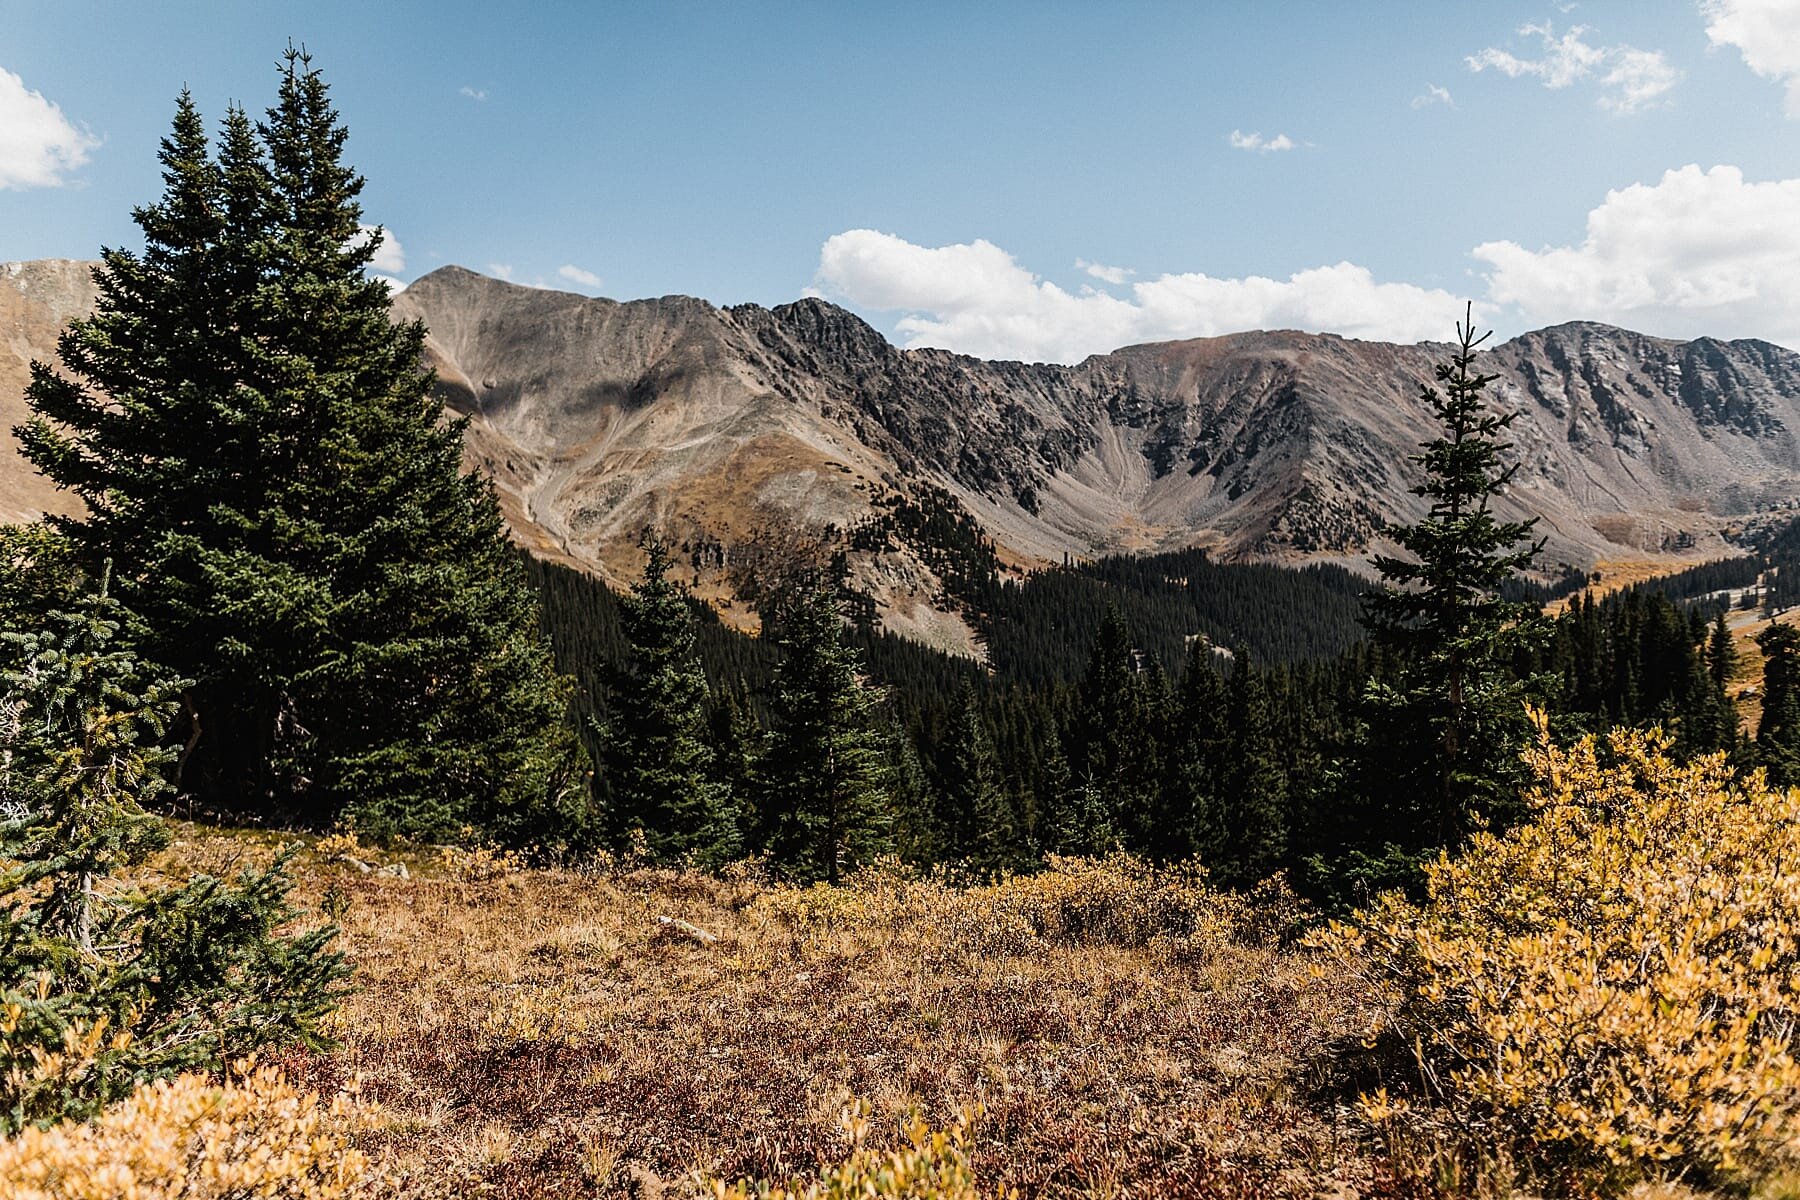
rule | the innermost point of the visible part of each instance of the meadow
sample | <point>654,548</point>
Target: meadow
<point>1110,1029</point>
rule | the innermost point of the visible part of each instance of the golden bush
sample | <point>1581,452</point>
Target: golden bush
<point>932,1165</point>
<point>189,1138</point>
<point>1615,983</point>
<point>1118,901</point>
<point>478,863</point>
<point>342,846</point>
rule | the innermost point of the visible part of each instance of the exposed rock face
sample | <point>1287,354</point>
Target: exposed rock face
<point>36,301</point>
<point>597,419</point>
<point>1268,444</point>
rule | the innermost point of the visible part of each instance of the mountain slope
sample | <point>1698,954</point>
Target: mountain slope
<point>36,300</point>
<point>724,427</point>
<point>1264,444</point>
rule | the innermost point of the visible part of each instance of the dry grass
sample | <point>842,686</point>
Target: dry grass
<point>542,1034</point>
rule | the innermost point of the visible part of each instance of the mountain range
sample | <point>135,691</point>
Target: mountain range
<point>726,428</point>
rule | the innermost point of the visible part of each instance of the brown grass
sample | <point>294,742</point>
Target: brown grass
<point>542,1034</point>
<point>1617,574</point>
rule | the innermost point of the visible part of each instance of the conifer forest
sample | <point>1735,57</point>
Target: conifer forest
<point>351,848</point>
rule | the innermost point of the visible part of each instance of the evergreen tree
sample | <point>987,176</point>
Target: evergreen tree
<point>1254,800</point>
<point>254,437</point>
<point>1778,732</point>
<point>154,982</point>
<point>738,745</point>
<point>918,829</point>
<point>1075,820</point>
<point>825,804</point>
<point>37,574</point>
<point>974,796</point>
<point>1115,731</point>
<point>1444,734</point>
<point>1721,653</point>
<point>1191,817</point>
<point>661,779</point>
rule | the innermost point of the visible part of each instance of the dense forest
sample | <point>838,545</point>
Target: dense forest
<point>1180,681</point>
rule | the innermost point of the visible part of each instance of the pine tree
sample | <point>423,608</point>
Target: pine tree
<point>1778,732</point>
<point>1444,735</point>
<point>737,742</point>
<point>1255,801</point>
<point>826,803</point>
<point>259,449</point>
<point>974,795</point>
<point>661,778</point>
<point>918,829</point>
<point>149,982</point>
<point>1115,731</point>
<point>1721,653</point>
<point>37,574</point>
<point>1075,820</point>
<point>1190,820</point>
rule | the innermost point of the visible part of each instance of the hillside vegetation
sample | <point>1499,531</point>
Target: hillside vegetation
<point>1598,1000</point>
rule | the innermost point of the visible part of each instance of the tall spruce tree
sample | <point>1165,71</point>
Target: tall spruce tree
<point>1254,799</point>
<point>1191,818</point>
<point>918,829</point>
<point>1778,731</point>
<point>975,798</point>
<point>1442,747</point>
<point>1074,816</point>
<point>152,981</point>
<point>1721,653</point>
<point>661,779</point>
<point>825,806</point>
<point>1116,730</point>
<point>259,449</point>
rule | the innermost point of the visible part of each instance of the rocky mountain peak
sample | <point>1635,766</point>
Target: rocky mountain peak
<point>597,418</point>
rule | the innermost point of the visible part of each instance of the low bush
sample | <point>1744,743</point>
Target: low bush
<point>1610,990</point>
<point>1119,901</point>
<point>188,1138</point>
<point>932,1165</point>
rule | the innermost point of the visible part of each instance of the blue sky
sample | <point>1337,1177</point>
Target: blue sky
<point>1032,180</point>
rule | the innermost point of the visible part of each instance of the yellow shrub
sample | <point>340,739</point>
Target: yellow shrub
<point>343,846</point>
<point>933,1165</point>
<point>475,864</point>
<point>191,1139</point>
<point>1615,982</point>
<point>1115,901</point>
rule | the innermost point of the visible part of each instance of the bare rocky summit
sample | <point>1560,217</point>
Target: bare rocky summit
<point>597,419</point>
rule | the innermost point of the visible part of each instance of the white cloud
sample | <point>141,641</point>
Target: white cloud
<point>575,274</point>
<point>1433,94</point>
<point>501,271</point>
<point>390,256</point>
<point>1630,79</point>
<point>477,94</point>
<point>38,145</point>
<point>1766,33</point>
<point>1104,273</point>
<point>1258,143</point>
<point>1636,80</point>
<point>1698,252</point>
<point>975,298</point>
<point>394,286</point>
